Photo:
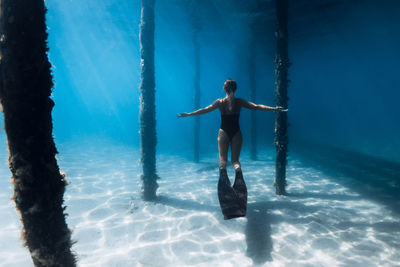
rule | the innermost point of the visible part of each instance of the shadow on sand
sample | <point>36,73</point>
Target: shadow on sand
<point>258,234</point>
<point>372,177</point>
<point>259,220</point>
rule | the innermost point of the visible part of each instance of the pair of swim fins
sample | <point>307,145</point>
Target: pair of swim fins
<point>232,199</point>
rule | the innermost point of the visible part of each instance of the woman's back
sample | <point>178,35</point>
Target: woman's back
<point>230,111</point>
<point>230,106</point>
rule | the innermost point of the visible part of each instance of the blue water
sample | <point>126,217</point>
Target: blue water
<point>343,89</point>
<point>344,159</point>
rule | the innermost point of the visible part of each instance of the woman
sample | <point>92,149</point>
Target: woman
<point>230,134</point>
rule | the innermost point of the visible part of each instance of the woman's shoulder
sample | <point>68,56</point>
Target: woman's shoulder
<point>239,100</point>
<point>218,102</point>
<point>221,103</point>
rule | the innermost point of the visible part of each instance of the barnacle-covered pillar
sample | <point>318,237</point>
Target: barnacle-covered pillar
<point>147,115</point>
<point>25,91</point>
<point>282,65</point>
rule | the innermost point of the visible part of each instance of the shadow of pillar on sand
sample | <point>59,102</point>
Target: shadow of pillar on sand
<point>258,234</point>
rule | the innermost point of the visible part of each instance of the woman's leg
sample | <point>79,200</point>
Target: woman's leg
<point>223,146</point>
<point>231,204</point>
<point>235,150</point>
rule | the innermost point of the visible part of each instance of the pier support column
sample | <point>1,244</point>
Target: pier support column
<point>148,136</point>
<point>25,89</point>
<point>282,65</point>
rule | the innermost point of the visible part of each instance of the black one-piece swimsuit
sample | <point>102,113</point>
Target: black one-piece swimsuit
<point>230,124</point>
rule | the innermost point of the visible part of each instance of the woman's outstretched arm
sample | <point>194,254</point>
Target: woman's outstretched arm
<point>201,111</point>
<point>251,105</point>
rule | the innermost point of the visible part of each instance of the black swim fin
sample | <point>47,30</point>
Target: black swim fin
<point>231,204</point>
<point>239,186</point>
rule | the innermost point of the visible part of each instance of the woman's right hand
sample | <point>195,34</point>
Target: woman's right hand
<point>182,115</point>
<point>279,108</point>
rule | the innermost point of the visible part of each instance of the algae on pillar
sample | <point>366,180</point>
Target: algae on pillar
<point>282,65</point>
<point>148,136</point>
<point>25,91</point>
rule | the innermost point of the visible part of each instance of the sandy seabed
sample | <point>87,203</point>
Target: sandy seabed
<point>321,222</point>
